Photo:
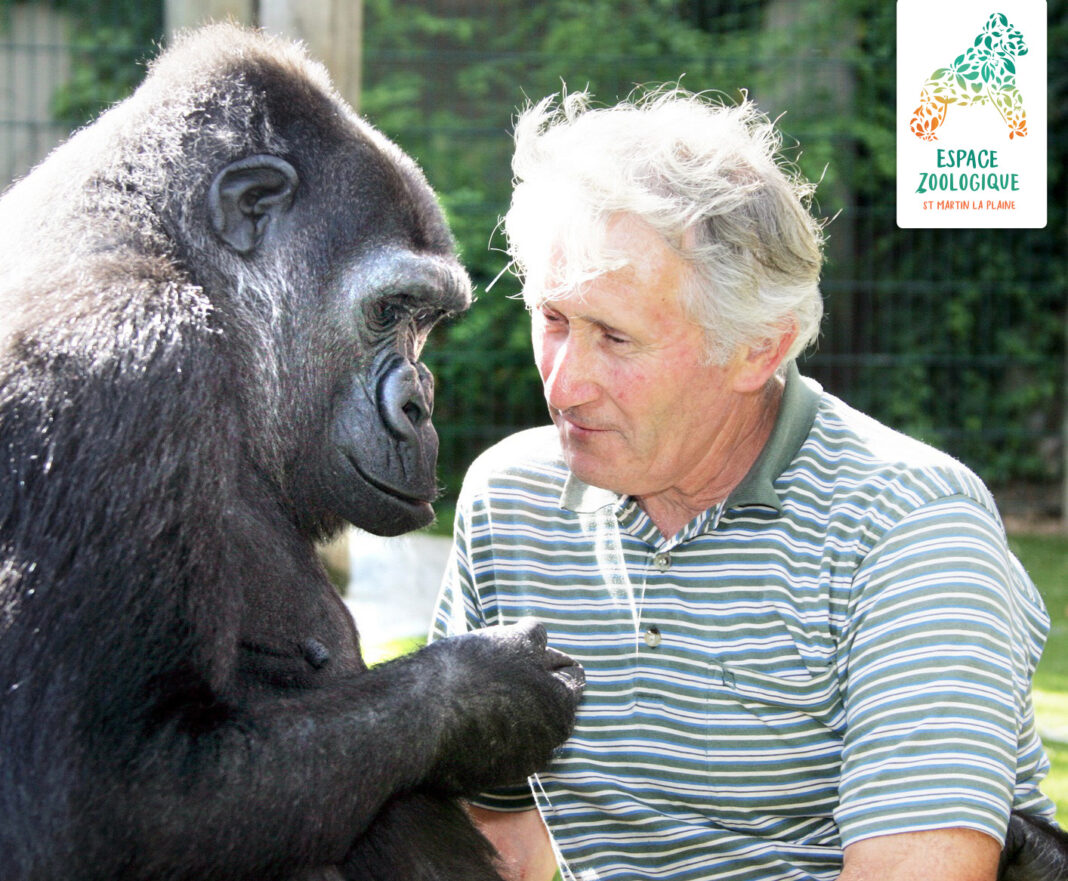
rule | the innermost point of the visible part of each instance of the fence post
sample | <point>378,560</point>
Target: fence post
<point>178,14</point>
<point>332,29</point>
<point>333,32</point>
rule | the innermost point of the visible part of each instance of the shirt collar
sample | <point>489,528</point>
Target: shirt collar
<point>797,412</point>
<point>585,499</point>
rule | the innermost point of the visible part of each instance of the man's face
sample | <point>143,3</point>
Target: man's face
<point>624,372</point>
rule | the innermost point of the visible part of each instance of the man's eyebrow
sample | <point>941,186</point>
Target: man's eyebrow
<point>600,324</point>
<point>607,328</point>
<point>604,326</point>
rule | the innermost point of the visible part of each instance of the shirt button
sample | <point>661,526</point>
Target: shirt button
<point>662,561</point>
<point>652,637</point>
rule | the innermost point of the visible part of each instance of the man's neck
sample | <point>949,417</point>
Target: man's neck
<point>735,450</point>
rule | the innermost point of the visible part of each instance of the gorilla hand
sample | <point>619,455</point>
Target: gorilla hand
<point>505,700</point>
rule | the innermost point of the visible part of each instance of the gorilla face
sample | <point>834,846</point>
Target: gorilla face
<point>383,443</point>
<point>375,467</point>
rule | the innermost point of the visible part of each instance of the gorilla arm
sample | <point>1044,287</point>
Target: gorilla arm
<point>280,771</point>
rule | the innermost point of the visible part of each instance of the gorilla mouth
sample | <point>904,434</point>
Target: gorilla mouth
<point>388,489</point>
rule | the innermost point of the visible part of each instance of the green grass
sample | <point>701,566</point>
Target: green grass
<point>376,653</point>
<point>1045,557</point>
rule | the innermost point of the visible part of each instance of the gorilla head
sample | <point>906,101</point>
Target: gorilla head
<point>337,276</point>
<point>212,305</point>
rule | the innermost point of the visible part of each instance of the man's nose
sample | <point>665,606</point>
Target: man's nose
<point>570,380</point>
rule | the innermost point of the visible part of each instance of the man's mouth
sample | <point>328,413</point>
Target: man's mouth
<point>576,425</point>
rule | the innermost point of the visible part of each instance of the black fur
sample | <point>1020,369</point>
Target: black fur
<point>1034,851</point>
<point>211,306</point>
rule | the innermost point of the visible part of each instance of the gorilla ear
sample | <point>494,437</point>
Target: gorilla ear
<point>246,195</point>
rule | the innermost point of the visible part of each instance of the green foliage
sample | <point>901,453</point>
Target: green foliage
<point>955,336</point>
<point>378,653</point>
<point>1045,557</point>
<point>972,322</point>
<point>108,54</point>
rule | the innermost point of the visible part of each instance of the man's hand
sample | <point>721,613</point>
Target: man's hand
<point>521,840</point>
<point>939,855</point>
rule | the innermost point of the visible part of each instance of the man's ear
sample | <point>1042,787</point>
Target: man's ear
<point>756,364</point>
<point>246,195</point>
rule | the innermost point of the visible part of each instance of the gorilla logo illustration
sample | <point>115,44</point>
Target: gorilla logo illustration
<point>984,73</point>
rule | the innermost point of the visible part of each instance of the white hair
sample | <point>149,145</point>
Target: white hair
<point>707,177</point>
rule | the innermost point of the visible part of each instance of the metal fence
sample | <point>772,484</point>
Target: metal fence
<point>956,336</point>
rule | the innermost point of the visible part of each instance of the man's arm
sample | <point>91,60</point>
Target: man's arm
<point>522,841</point>
<point>938,855</point>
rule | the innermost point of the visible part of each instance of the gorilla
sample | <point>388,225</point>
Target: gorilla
<point>212,305</point>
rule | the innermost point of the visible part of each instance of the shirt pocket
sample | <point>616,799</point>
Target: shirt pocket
<point>782,699</point>
<point>772,742</point>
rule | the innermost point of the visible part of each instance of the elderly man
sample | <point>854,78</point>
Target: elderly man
<point>808,648</point>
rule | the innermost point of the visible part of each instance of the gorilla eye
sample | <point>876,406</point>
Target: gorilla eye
<point>427,317</point>
<point>388,314</point>
<point>385,314</point>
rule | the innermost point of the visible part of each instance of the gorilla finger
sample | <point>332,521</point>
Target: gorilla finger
<point>532,632</point>
<point>555,660</point>
<point>573,677</point>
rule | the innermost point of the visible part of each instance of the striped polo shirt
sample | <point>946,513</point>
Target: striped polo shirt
<point>842,649</point>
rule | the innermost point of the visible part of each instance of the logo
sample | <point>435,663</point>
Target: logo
<point>984,74</point>
<point>971,151</point>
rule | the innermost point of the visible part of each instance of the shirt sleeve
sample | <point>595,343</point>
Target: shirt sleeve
<point>460,611</point>
<point>944,633</point>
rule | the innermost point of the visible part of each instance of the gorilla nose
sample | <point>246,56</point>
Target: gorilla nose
<point>406,399</point>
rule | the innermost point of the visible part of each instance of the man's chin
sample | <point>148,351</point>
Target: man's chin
<point>591,473</point>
